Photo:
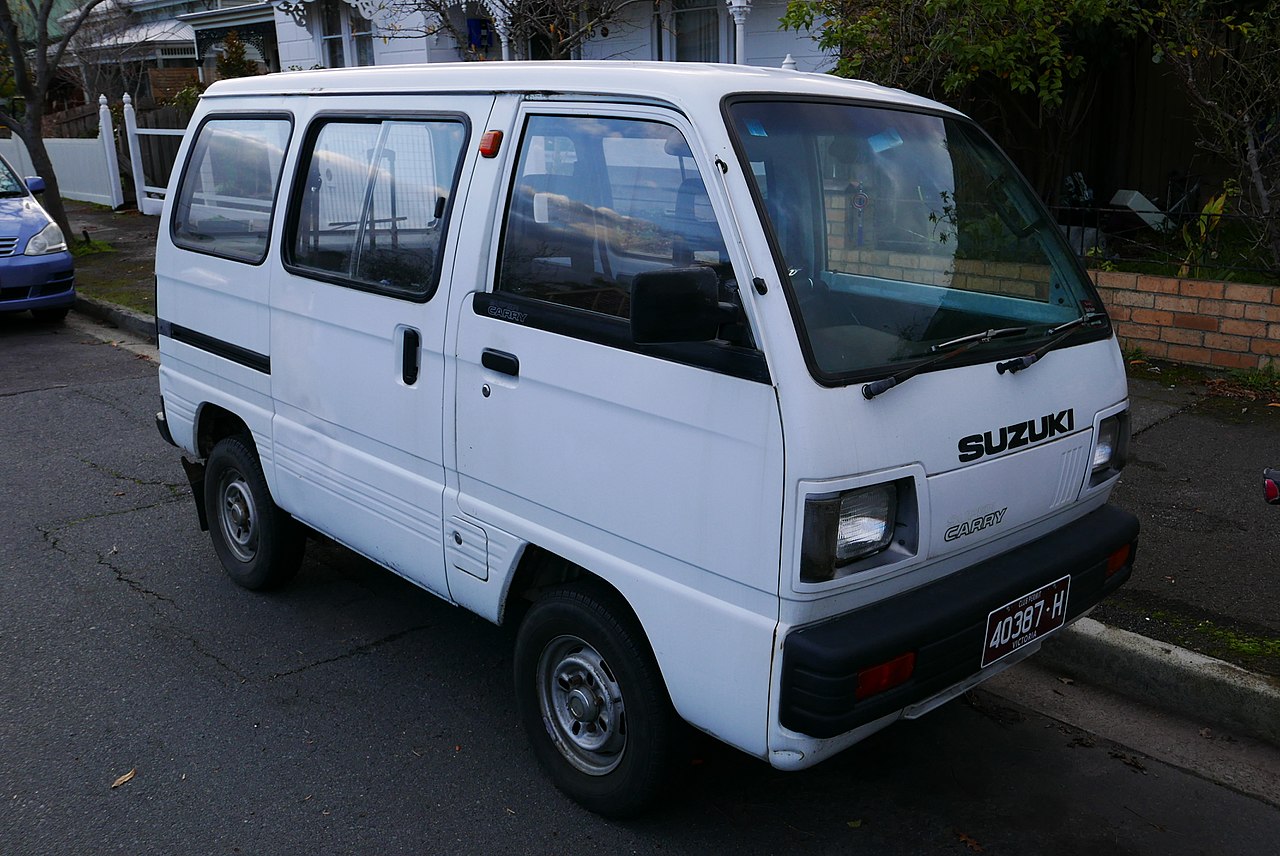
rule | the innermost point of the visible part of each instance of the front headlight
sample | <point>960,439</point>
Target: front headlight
<point>842,528</point>
<point>48,240</point>
<point>1110,448</point>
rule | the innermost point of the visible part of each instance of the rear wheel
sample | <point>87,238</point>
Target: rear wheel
<point>258,543</point>
<point>592,700</point>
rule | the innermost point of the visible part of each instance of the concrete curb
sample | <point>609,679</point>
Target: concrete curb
<point>135,323</point>
<point>1168,677</point>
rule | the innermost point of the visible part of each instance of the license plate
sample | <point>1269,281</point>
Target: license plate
<point>1021,622</point>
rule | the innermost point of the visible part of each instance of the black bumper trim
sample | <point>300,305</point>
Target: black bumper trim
<point>944,623</point>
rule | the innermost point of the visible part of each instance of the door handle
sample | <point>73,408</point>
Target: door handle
<point>409,356</point>
<point>500,361</point>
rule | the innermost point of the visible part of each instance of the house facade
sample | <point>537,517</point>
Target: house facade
<point>343,33</point>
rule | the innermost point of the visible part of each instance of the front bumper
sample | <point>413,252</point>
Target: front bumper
<point>943,623</point>
<point>37,282</point>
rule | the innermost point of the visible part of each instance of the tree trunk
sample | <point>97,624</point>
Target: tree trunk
<point>33,135</point>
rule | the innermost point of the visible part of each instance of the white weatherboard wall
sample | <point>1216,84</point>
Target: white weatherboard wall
<point>394,43</point>
<point>633,37</point>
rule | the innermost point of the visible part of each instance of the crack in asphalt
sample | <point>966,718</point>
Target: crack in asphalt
<point>18,392</point>
<point>354,652</point>
<point>172,487</point>
<point>1181,411</point>
<point>216,660</point>
<point>87,392</point>
<point>106,514</point>
<point>138,588</point>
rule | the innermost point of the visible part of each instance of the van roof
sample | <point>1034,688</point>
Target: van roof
<point>684,84</point>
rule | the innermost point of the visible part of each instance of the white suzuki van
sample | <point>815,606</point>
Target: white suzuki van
<point>766,401</point>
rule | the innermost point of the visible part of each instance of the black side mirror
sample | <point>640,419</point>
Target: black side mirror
<point>678,305</point>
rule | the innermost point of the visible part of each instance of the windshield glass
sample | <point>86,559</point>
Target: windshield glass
<point>901,231</point>
<point>10,184</point>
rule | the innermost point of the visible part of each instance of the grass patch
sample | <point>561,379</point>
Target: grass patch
<point>1244,644</point>
<point>89,248</point>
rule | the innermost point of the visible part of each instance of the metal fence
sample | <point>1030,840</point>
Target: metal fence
<point>1227,246</point>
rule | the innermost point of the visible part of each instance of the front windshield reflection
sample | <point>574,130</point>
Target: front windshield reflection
<point>902,230</point>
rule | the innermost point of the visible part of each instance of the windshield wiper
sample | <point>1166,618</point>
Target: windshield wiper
<point>1057,334</point>
<point>943,351</point>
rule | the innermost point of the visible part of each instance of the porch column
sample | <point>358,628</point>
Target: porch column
<point>739,9</point>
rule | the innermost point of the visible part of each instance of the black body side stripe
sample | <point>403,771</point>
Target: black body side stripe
<point>217,347</point>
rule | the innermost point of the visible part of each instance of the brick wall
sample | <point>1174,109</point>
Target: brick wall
<point>1217,324</point>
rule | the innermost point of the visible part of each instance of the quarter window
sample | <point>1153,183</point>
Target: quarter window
<point>229,188</point>
<point>371,211</point>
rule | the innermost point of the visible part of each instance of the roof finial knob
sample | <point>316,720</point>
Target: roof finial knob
<point>789,63</point>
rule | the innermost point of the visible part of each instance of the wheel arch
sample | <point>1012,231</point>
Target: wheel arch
<point>213,423</point>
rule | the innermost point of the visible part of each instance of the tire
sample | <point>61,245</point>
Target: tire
<point>51,316</point>
<point>258,543</point>
<point>592,700</point>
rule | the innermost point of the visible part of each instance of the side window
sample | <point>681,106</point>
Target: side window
<point>371,208</point>
<point>597,200</point>
<point>228,190</point>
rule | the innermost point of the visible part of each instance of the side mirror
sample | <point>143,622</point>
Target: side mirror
<point>678,305</point>
<point>35,184</point>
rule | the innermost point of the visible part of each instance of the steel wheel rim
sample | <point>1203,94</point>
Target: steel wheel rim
<point>582,706</point>
<point>238,516</point>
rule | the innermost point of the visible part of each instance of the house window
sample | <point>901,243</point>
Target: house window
<point>346,37</point>
<point>693,31</point>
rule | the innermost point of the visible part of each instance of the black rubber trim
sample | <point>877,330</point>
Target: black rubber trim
<point>943,623</point>
<point>745,363</point>
<point>217,347</point>
<point>162,425</point>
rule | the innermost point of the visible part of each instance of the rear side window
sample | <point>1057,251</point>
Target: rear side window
<point>229,187</point>
<point>371,209</point>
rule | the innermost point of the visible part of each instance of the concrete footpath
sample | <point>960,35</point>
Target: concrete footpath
<point>1196,631</point>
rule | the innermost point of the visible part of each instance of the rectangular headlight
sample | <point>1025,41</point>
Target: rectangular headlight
<point>842,528</point>
<point>1110,447</point>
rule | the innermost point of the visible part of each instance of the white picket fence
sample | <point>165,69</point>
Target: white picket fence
<point>87,169</point>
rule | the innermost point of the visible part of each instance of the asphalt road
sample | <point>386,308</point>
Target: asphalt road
<point>352,713</point>
<point>1206,575</point>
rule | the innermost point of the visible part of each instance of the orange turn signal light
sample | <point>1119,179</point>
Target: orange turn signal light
<point>490,143</point>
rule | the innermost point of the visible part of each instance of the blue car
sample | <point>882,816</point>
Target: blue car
<point>36,270</point>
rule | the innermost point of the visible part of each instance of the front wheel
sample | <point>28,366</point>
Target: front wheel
<point>592,700</point>
<point>258,543</point>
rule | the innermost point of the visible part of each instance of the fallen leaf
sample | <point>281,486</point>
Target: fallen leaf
<point>1274,404</point>
<point>855,824</point>
<point>970,842</point>
<point>1067,681</point>
<point>125,778</point>
<point>119,493</point>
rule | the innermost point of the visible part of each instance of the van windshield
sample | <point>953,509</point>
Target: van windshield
<point>901,231</point>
